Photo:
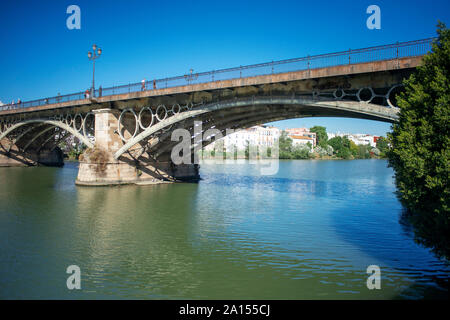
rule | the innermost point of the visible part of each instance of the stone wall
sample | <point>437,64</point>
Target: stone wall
<point>131,173</point>
<point>98,166</point>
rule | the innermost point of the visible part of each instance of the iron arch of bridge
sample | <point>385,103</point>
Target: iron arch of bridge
<point>53,123</point>
<point>316,107</point>
<point>163,142</point>
<point>223,127</point>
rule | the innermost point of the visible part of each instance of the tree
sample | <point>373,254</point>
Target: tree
<point>341,147</point>
<point>383,146</point>
<point>285,146</point>
<point>321,135</point>
<point>219,149</point>
<point>420,154</point>
<point>72,147</point>
<point>247,149</point>
<point>363,151</point>
<point>353,149</point>
<point>300,152</point>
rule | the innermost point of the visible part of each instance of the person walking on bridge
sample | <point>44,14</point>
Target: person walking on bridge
<point>143,85</point>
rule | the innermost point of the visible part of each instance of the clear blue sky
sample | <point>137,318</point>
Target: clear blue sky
<point>40,57</point>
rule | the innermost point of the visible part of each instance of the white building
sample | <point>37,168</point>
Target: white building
<point>263,136</point>
<point>302,136</point>
<point>357,138</point>
<point>364,139</point>
<point>302,140</point>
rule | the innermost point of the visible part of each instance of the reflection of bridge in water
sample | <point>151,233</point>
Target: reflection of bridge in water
<point>128,128</point>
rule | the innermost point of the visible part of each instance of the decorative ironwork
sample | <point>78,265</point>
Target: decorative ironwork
<point>80,125</point>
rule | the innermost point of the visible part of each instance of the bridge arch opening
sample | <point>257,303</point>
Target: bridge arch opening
<point>262,109</point>
<point>34,141</point>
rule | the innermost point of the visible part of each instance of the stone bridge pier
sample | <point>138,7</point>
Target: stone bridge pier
<point>99,167</point>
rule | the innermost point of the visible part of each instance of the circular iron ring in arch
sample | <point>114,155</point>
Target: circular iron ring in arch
<point>85,122</point>
<point>334,107</point>
<point>136,124</point>
<point>59,124</point>
<point>388,95</point>
<point>140,117</point>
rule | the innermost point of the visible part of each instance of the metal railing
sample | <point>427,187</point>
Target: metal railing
<point>371,54</point>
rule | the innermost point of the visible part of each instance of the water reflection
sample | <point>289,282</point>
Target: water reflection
<point>308,232</point>
<point>129,232</point>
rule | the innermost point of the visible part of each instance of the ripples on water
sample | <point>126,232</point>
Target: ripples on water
<point>308,232</point>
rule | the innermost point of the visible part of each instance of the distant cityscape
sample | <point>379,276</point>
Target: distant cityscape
<point>266,136</point>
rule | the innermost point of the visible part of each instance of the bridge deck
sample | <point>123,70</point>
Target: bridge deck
<point>402,55</point>
<point>342,70</point>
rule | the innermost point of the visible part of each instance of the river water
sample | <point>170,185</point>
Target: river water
<point>308,232</point>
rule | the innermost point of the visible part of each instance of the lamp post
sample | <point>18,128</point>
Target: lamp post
<point>95,54</point>
<point>189,77</point>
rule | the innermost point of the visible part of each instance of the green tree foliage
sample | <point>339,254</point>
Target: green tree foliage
<point>321,134</point>
<point>363,152</point>
<point>383,146</point>
<point>420,153</point>
<point>73,151</point>
<point>247,149</point>
<point>354,150</point>
<point>300,152</point>
<point>341,146</point>
<point>285,146</point>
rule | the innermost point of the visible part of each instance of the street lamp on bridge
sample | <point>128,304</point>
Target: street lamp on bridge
<point>190,77</point>
<point>95,54</point>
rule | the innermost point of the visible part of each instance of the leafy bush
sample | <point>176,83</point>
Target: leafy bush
<point>300,152</point>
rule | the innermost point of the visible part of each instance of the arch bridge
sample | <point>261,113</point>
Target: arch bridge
<point>128,129</point>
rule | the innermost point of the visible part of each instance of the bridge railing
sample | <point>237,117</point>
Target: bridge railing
<point>45,101</point>
<point>371,54</point>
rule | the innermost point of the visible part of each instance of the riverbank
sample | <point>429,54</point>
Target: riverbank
<point>312,157</point>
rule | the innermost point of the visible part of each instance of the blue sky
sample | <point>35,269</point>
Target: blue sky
<point>40,57</point>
